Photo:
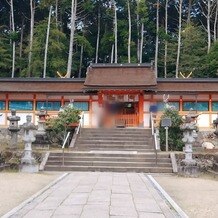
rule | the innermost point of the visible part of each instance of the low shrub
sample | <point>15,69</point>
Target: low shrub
<point>175,133</point>
<point>57,127</point>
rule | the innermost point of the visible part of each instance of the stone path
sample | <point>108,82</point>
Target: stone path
<point>99,195</point>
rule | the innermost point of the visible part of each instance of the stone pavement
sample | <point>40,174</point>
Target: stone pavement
<point>99,195</point>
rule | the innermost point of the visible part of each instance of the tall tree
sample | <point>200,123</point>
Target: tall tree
<point>215,27</point>
<point>157,37</point>
<point>115,32</point>
<point>130,32</point>
<point>179,38</point>
<point>13,41</point>
<point>72,28</point>
<point>166,42</point>
<point>32,14</point>
<point>47,40</point>
<point>98,35</point>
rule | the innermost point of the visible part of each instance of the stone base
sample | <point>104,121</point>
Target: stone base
<point>189,171</point>
<point>41,140</point>
<point>29,168</point>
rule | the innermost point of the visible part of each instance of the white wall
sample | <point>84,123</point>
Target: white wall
<point>95,109</point>
<point>2,119</point>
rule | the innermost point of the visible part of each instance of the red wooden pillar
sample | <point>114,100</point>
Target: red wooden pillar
<point>62,101</point>
<point>90,111</point>
<point>210,110</point>
<point>100,98</point>
<point>6,108</point>
<point>180,104</point>
<point>34,108</point>
<point>141,103</point>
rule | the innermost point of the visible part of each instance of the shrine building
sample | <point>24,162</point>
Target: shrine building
<point>132,88</point>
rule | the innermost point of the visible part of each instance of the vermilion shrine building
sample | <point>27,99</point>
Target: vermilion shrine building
<point>134,86</point>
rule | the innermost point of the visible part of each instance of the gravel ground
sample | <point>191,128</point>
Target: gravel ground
<point>17,187</point>
<point>198,197</point>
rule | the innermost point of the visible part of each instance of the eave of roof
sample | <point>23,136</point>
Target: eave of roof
<point>43,80</point>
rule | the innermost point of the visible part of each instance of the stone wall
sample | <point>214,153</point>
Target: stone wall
<point>5,136</point>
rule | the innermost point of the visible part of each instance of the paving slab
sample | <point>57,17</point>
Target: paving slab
<point>99,195</point>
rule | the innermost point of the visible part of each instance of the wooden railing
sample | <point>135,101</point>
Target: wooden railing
<point>127,120</point>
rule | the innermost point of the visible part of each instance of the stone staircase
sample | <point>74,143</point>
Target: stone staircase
<point>115,150</point>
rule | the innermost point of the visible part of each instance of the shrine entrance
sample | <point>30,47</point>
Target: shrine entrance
<point>121,108</point>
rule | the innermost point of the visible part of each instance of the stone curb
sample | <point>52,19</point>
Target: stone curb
<point>24,203</point>
<point>175,206</point>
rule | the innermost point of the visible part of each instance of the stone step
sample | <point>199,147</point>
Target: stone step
<point>106,163</point>
<point>109,142</point>
<point>136,148</point>
<point>109,159</point>
<point>109,154</point>
<point>110,169</point>
<point>114,148</point>
<point>135,133</point>
<point>112,137</point>
<point>116,129</point>
<point>117,133</point>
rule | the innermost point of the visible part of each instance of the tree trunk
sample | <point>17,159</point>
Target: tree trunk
<point>215,22</point>
<point>81,61</point>
<point>157,38</point>
<point>98,35</point>
<point>70,56</point>
<point>179,38</point>
<point>189,11</point>
<point>112,53</point>
<point>32,14</point>
<point>141,43</point>
<point>115,33</point>
<point>208,25</point>
<point>138,32</point>
<point>21,38</point>
<point>130,31</point>
<point>56,12</point>
<point>13,43</point>
<point>166,43</point>
<point>46,44</point>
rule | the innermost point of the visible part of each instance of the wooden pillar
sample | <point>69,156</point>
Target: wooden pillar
<point>210,110</point>
<point>34,108</point>
<point>90,111</point>
<point>100,98</point>
<point>6,107</point>
<point>141,103</point>
<point>180,103</point>
<point>62,101</point>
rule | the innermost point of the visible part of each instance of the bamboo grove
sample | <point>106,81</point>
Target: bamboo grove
<point>40,37</point>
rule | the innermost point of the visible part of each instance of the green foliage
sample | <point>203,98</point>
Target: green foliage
<point>5,54</point>
<point>193,57</point>
<point>212,61</point>
<point>58,126</point>
<point>193,50</point>
<point>57,57</point>
<point>175,133</point>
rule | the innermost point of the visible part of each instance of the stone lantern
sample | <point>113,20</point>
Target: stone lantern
<point>215,123</point>
<point>189,127</point>
<point>41,137</point>
<point>28,162</point>
<point>13,128</point>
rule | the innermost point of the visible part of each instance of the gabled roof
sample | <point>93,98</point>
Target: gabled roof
<point>120,76</point>
<point>39,85</point>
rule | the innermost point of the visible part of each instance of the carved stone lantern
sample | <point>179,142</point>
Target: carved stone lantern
<point>41,137</point>
<point>189,128</point>
<point>42,114</point>
<point>215,123</point>
<point>13,128</point>
<point>28,162</point>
